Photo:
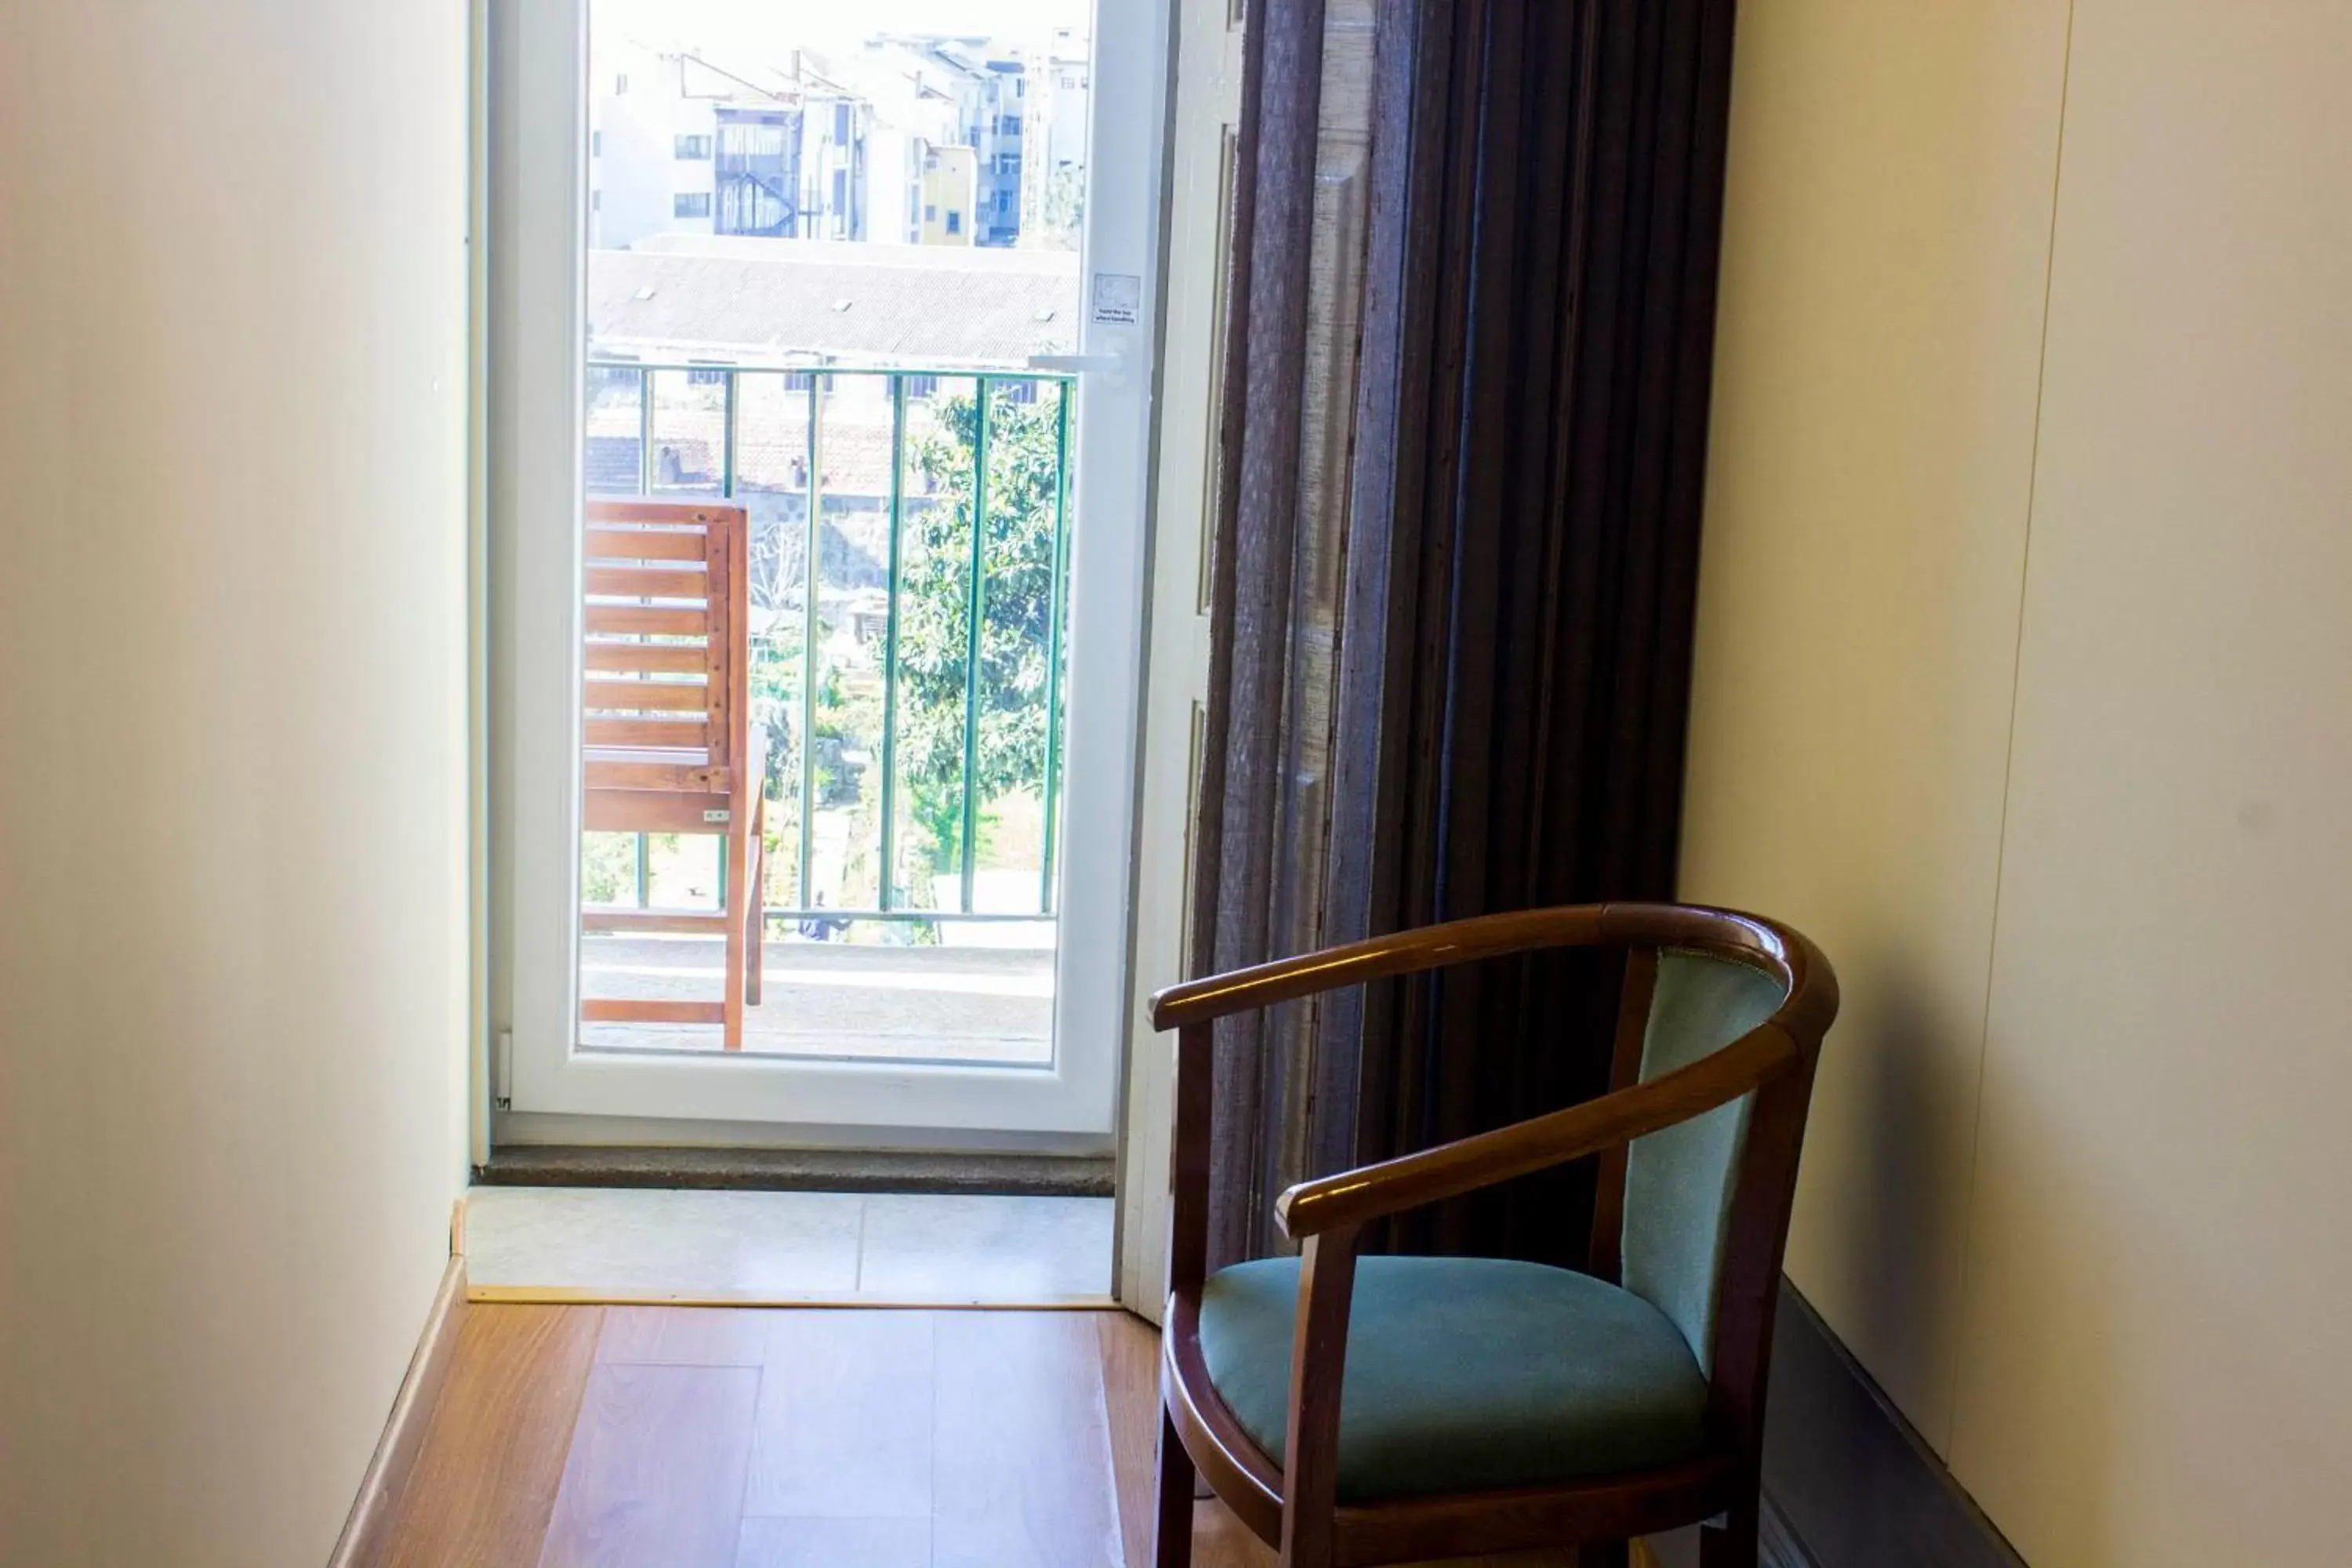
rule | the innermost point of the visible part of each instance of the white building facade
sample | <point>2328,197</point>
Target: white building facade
<point>1058,112</point>
<point>909,139</point>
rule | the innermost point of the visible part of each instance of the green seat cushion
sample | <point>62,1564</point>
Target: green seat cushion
<point>1465,1373</point>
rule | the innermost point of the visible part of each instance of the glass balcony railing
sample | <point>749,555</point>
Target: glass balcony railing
<point>910,563</point>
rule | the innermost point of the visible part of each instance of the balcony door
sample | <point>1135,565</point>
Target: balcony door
<point>820,357</point>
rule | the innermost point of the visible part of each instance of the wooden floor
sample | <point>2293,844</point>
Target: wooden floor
<point>815,1438</point>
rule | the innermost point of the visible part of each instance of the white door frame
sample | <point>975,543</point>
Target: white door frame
<point>539,146</point>
<point>1206,123</point>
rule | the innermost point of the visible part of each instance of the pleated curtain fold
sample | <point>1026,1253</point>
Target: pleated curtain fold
<point>1470,319</point>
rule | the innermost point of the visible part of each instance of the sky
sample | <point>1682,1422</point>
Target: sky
<point>760,27</point>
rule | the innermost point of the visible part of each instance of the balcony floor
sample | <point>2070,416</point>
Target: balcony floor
<point>838,999</point>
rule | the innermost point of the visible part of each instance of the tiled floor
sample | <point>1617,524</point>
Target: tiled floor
<point>787,1247</point>
<point>959,1004</point>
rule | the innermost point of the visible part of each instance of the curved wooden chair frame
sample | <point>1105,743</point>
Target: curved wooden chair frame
<point>1296,1511</point>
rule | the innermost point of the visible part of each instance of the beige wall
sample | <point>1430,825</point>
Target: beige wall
<point>1884,250</point>
<point>2025,684</point>
<point>232,927</point>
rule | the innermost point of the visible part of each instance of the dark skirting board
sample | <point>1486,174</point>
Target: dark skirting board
<point>1847,1482</point>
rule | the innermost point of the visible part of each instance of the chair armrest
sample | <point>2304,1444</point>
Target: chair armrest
<point>1355,1198</point>
<point>1456,941</point>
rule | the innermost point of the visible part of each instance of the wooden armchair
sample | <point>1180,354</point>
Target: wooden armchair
<point>1489,1405</point>
<point>668,745</point>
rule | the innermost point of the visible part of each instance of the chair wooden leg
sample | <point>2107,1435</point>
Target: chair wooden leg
<point>739,877</point>
<point>753,976</point>
<point>1173,1548</point>
<point>1310,1472</point>
<point>756,921</point>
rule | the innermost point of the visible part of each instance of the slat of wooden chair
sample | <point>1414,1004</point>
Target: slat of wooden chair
<point>668,742</point>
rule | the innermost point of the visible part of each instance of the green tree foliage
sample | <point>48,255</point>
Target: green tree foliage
<point>1024,469</point>
<point>608,868</point>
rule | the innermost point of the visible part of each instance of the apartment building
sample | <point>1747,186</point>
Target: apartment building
<point>682,144</point>
<point>1057,110</point>
<point>914,139</point>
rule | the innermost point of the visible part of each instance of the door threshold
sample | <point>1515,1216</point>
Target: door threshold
<point>676,1248</point>
<point>582,1296</point>
<point>800,1171</point>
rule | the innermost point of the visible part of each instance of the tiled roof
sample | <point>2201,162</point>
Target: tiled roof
<point>768,299</point>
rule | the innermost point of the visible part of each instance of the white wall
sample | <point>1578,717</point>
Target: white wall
<point>232,746</point>
<point>2025,684</point>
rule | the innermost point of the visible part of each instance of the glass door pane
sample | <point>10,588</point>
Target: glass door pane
<point>821,803</point>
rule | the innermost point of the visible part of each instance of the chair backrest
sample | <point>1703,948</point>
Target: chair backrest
<point>1680,1182</point>
<point>1694,1217</point>
<point>666,692</point>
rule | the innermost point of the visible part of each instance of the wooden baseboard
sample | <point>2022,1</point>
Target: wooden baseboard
<point>366,1540</point>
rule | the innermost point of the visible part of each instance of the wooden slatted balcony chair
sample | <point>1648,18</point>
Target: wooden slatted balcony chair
<point>668,742</point>
<point>1389,1409</point>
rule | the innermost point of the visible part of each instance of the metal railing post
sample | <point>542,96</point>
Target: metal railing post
<point>727,426</point>
<point>890,904</point>
<point>976,606</point>
<point>890,641</point>
<point>646,432</point>
<point>645,488</point>
<point>1049,792</point>
<point>808,644</point>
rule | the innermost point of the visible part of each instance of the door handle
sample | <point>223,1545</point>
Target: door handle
<point>1078,362</point>
<point>1112,366</point>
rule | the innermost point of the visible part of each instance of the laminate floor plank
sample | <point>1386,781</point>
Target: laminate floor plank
<point>656,1471</point>
<point>745,1439</point>
<point>1222,1540</point>
<point>845,1425</point>
<point>684,1336</point>
<point>1021,1466</point>
<point>835,1543</point>
<point>1131,1374</point>
<point>1130,1362</point>
<point>493,1456</point>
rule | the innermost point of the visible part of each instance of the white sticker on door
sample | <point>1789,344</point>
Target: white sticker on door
<point>1119,299</point>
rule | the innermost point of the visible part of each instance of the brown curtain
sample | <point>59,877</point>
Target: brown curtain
<point>1487,710</point>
